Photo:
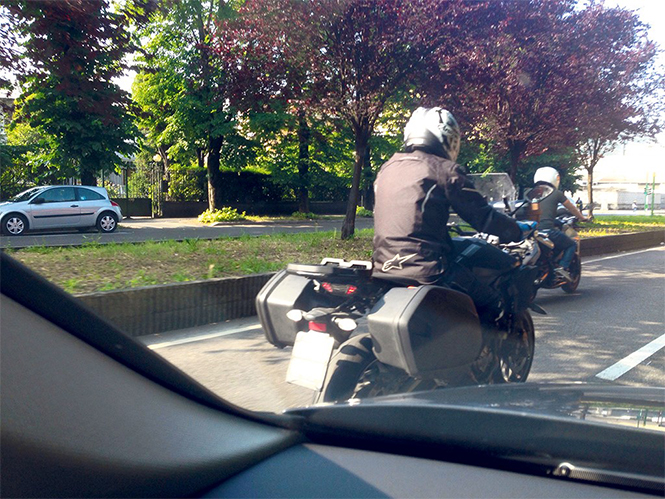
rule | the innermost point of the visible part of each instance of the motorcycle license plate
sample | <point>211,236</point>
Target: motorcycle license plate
<point>309,359</point>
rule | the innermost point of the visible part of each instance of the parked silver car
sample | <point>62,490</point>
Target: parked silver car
<point>59,206</point>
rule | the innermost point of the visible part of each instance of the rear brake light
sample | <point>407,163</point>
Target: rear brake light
<point>351,289</point>
<point>113,203</point>
<point>327,286</point>
<point>317,326</point>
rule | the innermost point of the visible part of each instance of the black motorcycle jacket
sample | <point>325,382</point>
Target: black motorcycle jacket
<point>414,192</point>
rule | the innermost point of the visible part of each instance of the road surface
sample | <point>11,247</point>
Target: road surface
<point>612,330</point>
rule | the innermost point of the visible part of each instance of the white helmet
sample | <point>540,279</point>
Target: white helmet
<point>547,174</point>
<point>434,130</point>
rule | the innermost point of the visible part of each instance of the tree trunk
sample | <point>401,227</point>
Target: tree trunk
<point>214,178</point>
<point>589,188</point>
<point>166,171</point>
<point>515,153</point>
<point>88,178</point>
<point>595,147</point>
<point>304,134</point>
<point>368,181</point>
<point>349,225</point>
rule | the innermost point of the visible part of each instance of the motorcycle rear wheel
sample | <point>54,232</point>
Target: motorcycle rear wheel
<point>515,352</point>
<point>354,372</point>
<point>575,273</point>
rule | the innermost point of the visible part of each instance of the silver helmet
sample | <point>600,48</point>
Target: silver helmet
<point>434,130</point>
<point>547,174</point>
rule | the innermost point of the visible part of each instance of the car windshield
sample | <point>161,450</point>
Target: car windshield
<point>286,225</point>
<point>25,195</point>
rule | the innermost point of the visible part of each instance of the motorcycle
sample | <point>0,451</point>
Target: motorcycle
<point>356,335</point>
<point>549,255</point>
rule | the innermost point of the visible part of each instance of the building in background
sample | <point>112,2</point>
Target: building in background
<point>627,175</point>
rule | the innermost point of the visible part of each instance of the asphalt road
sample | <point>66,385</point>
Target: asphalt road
<point>614,320</point>
<point>161,229</point>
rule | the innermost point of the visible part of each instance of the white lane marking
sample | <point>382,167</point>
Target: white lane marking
<point>633,360</point>
<point>657,248</point>
<point>193,339</point>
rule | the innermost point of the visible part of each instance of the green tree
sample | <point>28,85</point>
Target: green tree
<point>183,91</point>
<point>73,50</point>
<point>22,164</point>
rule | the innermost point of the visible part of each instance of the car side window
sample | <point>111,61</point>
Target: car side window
<point>88,195</point>
<point>58,195</point>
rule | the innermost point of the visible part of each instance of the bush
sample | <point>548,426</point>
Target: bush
<point>298,215</point>
<point>115,191</point>
<point>226,214</point>
<point>363,212</point>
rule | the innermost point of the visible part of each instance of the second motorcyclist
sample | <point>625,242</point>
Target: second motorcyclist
<point>548,212</point>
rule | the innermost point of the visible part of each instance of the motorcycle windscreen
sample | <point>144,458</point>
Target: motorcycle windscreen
<point>425,329</point>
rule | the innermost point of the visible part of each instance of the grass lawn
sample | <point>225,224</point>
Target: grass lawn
<point>103,267</point>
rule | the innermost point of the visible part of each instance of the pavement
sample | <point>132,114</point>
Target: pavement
<point>140,229</point>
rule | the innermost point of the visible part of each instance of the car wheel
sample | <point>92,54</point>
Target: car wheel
<point>107,222</point>
<point>14,224</point>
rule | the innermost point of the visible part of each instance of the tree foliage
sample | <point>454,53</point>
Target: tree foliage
<point>347,58</point>
<point>184,92</point>
<point>73,49</point>
<point>548,75</point>
<point>625,97</point>
<point>316,93</point>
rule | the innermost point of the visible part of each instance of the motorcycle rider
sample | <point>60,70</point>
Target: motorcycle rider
<point>414,191</point>
<point>548,207</point>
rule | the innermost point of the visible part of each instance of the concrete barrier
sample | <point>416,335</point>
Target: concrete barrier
<point>155,309</point>
<point>621,242</point>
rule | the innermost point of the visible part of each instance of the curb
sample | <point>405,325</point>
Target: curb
<point>621,242</point>
<point>156,309</point>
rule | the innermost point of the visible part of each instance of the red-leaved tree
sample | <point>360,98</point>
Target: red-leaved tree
<point>623,98</point>
<point>520,87</point>
<point>263,51</point>
<point>344,58</point>
<point>549,75</point>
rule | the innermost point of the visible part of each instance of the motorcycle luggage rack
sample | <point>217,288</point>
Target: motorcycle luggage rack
<point>332,269</point>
